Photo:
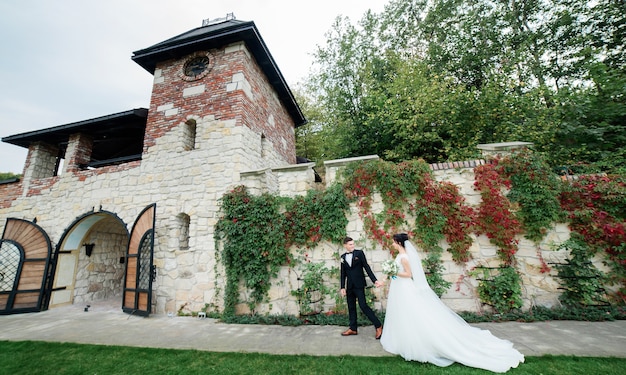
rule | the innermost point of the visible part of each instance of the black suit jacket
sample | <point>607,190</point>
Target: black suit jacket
<point>353,276</point>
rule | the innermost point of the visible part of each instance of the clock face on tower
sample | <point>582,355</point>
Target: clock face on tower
<point>196,66</point>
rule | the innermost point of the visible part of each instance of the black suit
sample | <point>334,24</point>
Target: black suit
<point>353,280</point>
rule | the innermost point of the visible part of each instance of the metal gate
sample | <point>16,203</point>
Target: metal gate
<point>140,272</point>
<point>25,264</point>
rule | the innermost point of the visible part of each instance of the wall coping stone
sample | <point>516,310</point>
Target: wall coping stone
<point>255,172</point>
<point>341,162</point>
<point>294,167</point>
<point>503,146</point>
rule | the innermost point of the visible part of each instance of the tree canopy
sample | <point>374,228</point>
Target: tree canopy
<point>433,79</point>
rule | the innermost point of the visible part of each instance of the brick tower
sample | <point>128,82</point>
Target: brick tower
<point>221,71</point>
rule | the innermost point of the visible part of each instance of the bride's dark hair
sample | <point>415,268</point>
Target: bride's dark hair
<point>400,238</point>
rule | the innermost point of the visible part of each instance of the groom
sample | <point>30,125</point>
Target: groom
<point>353,263</point>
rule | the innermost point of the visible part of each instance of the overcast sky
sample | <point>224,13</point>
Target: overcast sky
<point>70,60</point>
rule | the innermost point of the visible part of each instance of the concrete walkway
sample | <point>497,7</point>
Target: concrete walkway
<point>107,325</point>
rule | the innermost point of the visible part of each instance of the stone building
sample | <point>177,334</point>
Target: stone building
<point>124,205</point>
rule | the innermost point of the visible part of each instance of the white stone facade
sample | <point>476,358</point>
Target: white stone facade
<point>538,288</point>
<point>187,186</point>
<point>203,138</point>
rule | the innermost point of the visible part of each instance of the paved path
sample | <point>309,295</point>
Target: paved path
<point>108,325</point>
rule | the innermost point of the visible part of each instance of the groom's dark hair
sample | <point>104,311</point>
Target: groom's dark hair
<point>347,239</point>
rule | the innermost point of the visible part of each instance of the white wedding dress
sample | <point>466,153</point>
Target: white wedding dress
<point>419,327</point>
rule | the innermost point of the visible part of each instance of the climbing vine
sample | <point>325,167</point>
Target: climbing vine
<point>255,234</point>
<point>596,206</point>
<point>535,189</point>
<point>499,287</point>
<point>582,281</point>
<point>395,183</point>
<point>314,287</point>
<point>406,190</point>
<point>251,233</point>
<point>495,217</point>
<point>319,215</point>
<point>519,196</point>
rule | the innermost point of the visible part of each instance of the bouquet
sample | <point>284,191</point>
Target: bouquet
<point>390,268</point>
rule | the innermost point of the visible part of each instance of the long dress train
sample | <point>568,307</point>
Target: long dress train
<point>419,327</point>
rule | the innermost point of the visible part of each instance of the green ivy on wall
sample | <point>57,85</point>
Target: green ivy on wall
<point>251,231</point>
<point>314,288</point>
<point>582,281</point>
<point>520,196</point>
<point>499,287</point>
<point>255,234</point>
<point>320,215</point>
<point>596,207</point>
<point>535,189</point>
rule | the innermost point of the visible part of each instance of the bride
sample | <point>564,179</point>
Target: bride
<point>419,327</point>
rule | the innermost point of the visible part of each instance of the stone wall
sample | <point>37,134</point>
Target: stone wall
<point>538,288</point>
<point>100,276</point>
<point>187,190</point>
<point>204,136</point>
<point>184,184</point>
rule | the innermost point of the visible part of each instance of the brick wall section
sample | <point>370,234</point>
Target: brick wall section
<point>9,192</point>
<point>106,170</point>
<point>235,88</point>
<point>168,107</point>
<point>41,186</point>
<point>264,113</point>
<point>457,164</point>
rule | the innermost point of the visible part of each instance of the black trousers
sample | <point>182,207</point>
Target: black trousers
<point>352,295</point>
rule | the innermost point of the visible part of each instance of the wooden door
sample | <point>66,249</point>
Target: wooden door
<point>62,292</point>
<point>25,263</point>
<point>137,298</point>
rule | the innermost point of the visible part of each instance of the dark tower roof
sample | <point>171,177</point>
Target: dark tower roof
<point>215,36</point>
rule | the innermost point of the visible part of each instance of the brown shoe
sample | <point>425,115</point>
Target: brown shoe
<point>379,332</point>
<point>349,332</point>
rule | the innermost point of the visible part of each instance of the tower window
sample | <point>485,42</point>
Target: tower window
<point>189,135</point>
<point>183,234</point>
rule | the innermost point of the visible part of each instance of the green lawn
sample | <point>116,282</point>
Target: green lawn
<point>34,357</point>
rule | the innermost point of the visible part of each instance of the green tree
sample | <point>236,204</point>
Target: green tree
<point>337,85</point>
<point>434,79</point>
<point>310,139</point>
<point>8,176</point>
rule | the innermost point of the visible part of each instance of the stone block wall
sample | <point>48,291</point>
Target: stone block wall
<point>538,288</point>
<point>100,276</point>
<point>187,189</point>
<point>184,184</point>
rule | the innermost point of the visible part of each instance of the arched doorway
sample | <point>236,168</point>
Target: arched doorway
<point>90,260</point>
